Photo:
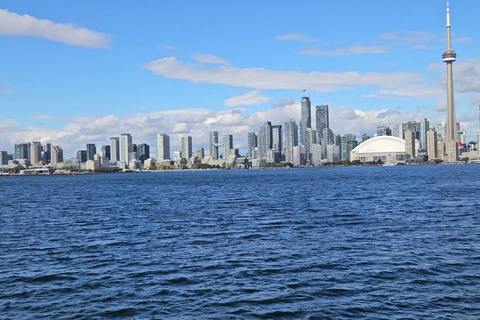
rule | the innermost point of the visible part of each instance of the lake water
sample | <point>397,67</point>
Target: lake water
<point>325,243</point>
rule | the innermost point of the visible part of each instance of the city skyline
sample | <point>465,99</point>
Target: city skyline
<point>370,70</point>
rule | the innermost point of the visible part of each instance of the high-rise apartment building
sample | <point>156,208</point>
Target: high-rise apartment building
<point>35,154</point>
<point>163,147</point>
<point>105,151</point>
<point>384,131</point>
<point>399,130</point>
<point>91,151</point>
<point>21,151</point>
<point>410,144</point>
<point>306,116</point>
<point>46,152</point>
<point>3,158</point>
<point>82,156</point>
<point>187,149</point>
<point>213,144</point>
<point>132,152</point>
<point>424,126</point>
<point>114,149</point>
<point>291,139</point>
<point>310,140</point>
<point>252,144</point>
<point>264,139</point>
<point>227,144</point>
<point>143,152</point>
<point>277,138</point>
<point>125,142</point>
<point>432,144</point>
<point>321,117</point>
<point>56,155</point>
<point>348,142</point>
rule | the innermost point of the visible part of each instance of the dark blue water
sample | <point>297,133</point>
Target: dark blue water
<point>327,243</point>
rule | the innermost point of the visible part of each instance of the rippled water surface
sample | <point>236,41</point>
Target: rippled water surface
<point>326,243</point>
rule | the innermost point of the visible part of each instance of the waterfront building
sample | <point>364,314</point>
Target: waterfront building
<point>306,114</point>
<point>177,155</point>
<point>132,152</point>
<point>316,154</point>
<point>114,149</point>
<point>21,151</point>
<point>143,152</point>
<point>213,144</point>
<point>125,142</point>
<point>384,131</point>
<point>398,130</point>
<point>82,156</point>
<point>321,117</point>
<point>347,143</point>
<point>299,158</point>
<point>432,144</point>
<point>252,144</point>
<point>449,56</point>
<point>310,139</point>
<point>105,151</point>
<point>35,154</point>
<point>3,158</point>
<point>163,147</point>
<point>46,150</point>
<point>424,126</point>
<point>291,139</point>
<point>227,145</point>
<point>300,133</point>
<point>387,149</point>
<point>187,148</point>
<point>91,151</point>
<point>265,139</point>
<point>277,138</point>
<point>199,153</point>
<point>333,153</point>
<point>56,155</point>
<point>365,137</point>
<point>410,144</point>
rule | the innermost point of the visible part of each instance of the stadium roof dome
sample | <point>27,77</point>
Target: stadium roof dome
<point>381,144</point>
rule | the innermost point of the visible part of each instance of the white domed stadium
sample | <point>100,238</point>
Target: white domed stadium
<point>388,149</point>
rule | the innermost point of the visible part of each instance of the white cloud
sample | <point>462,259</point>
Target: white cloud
<point>408,36</point>
<point>296,37</point>
<point>260,78</point>
<point>13,24</point>
<point>357,49</point>
<point>208,58</point>
<point>42,116</point>
<point>248,99</point>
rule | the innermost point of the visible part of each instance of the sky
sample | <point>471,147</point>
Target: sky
<point>78,72</point>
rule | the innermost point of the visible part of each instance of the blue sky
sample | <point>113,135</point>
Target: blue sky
<point>79,72</point>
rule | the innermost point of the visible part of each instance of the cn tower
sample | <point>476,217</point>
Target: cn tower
<point>449,56</point>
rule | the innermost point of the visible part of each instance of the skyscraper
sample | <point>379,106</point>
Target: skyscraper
<point>424,126</point>
<point>163,147</point>
<point>56,155</point>
<point>105,150</point>
<point>410,144</point>
<point>143,152</point>
<point>264,139</point>
<point>449,56</point>
<point>125,141</point>
<point>114,149</point>
<point>321,117</point>
<point>227,140</point>
<point>384,131</point>
<point>277,138</point>
<point>213,144</point>
<point>35,154</point>
<point>432,144</point>
<point>252,144</point>
<point>306,116</point>
<point>187,149</point>
<point>291,139</point>
<point>91,150</point>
